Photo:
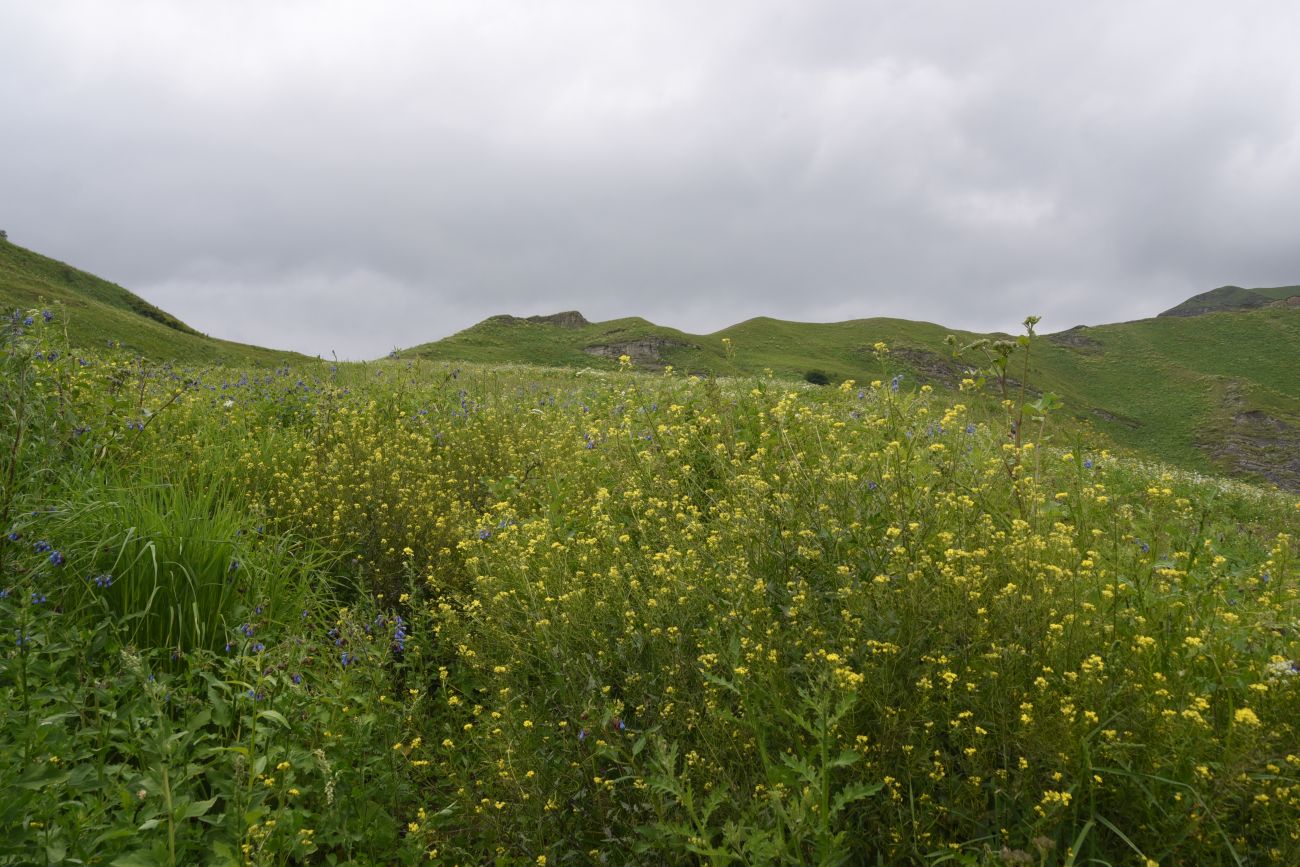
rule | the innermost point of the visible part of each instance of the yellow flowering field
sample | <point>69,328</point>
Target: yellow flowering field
<point>410,613</point>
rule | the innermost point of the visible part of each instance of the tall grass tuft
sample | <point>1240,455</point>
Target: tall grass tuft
<point>176,563</point>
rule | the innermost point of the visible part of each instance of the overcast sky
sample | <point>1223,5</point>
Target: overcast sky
<point>355,176</point>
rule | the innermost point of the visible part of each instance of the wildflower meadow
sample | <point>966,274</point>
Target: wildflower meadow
<point>411,612</point>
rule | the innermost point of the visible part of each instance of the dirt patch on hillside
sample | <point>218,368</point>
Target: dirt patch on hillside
<point>1115,418</point>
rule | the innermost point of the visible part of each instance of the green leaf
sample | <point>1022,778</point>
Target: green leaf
<point>845,758</point>
<point>274,716</point>
<point>717,681</point>
<point>853,793</point>
<point>198,808</point>
<point>44,776</point>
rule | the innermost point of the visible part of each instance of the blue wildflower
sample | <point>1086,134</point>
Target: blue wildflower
<point>56,558</point>
<point>47,315</point>
<point>346,659</point>
<point>38,598</point>
<point>42,546</point>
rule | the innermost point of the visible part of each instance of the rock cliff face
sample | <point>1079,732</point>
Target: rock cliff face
<point>1261,445</point>
<point>646,351</point>
<point>567,319</point>
<point>1255,443</point>
<point>1076,338</point>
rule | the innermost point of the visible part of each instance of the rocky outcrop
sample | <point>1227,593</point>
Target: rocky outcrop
<point>1255,442</point>
<point>1076,338</point>
<point>1261,445</point>
<point>644,351</point>
<point>567,319</point>
<point>929,366</point>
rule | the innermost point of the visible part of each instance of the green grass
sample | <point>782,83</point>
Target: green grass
<point>1170,387</point>
<point>96,311</point>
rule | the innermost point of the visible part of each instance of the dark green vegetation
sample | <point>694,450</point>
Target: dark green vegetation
<point>97,311</point>
<point>1217,392</point>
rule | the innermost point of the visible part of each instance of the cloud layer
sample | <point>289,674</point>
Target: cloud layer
<point>336,176</point>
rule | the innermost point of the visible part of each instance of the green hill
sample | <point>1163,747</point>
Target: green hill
<point>1211,385</point>
<point>1215,393</point>
<point>1227,298</point>
<point>96,311</point>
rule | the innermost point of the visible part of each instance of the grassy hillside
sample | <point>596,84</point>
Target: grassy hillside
<point>1232,298</point>
<point>97,311</point>
<point>1212,386</point>
<point>1210,392</point>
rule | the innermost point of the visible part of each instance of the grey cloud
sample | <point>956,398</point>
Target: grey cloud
<point>339,176</point>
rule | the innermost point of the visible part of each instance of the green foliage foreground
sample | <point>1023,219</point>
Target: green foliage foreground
<point>404,613</point>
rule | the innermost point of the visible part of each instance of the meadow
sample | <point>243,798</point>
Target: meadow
<point>426,612</point>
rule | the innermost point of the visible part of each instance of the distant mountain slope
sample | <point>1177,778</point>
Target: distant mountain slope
<point>1227,298</point>
<point>1211,392</point>
<point>97,311</point>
